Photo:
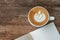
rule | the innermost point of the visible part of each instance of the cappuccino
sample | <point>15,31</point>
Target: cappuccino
<point>38,16</point>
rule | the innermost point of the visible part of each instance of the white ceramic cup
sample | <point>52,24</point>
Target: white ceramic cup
<point>50,18</point>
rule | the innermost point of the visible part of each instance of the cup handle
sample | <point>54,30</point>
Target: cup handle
<point>51,18</point>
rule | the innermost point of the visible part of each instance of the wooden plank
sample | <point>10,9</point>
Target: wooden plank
<point>13,16</point>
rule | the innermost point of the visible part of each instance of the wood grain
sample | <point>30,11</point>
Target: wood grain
<point>13,16</point>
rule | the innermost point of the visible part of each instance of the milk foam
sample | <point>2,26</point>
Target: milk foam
<point>39,16</point>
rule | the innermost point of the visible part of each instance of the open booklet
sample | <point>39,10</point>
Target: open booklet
<point>48,32</point>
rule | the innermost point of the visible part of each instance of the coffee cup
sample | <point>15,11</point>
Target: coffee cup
<point>39,16</point>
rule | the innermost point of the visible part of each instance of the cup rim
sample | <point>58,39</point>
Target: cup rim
<point>34,24</point>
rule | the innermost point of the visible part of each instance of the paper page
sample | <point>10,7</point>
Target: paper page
<point>48,32</point>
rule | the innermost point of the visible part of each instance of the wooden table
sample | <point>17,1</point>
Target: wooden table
<point>13,16</point>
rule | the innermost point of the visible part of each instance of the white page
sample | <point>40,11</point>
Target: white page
<point>25,37</point>
<point>48,32</point>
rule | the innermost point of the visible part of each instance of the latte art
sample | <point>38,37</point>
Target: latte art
<point>39,16</point>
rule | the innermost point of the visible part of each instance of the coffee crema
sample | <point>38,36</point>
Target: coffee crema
<point>38,16</point>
